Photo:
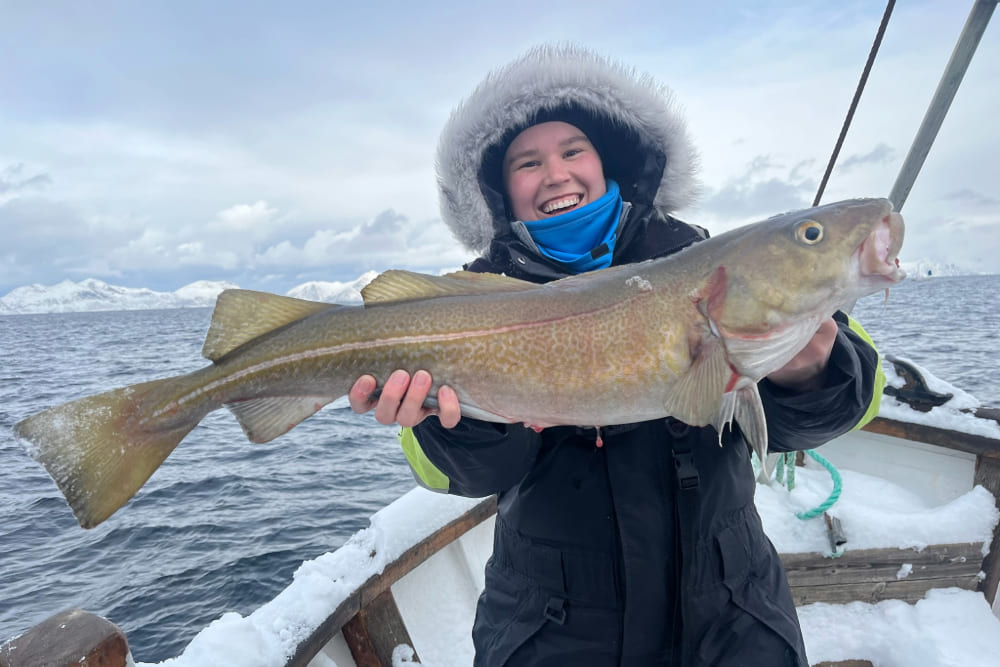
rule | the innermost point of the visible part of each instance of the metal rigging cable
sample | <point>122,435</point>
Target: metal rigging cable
<point>857,98</point>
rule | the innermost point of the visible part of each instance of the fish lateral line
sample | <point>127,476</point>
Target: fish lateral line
<point>274,368</point>
<point>334,350</point>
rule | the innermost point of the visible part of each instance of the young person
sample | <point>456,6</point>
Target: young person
<point>647,550</point>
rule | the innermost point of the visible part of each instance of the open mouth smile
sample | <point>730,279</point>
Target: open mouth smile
<point>561,204</point>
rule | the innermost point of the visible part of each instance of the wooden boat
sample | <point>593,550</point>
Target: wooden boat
<point>377,600</point>
<point>389,609</point>
<point>409,583</point>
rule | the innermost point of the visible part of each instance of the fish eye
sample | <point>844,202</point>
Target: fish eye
<point>809,232</point>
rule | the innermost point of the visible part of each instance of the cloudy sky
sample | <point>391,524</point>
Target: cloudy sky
<point>157,143</point>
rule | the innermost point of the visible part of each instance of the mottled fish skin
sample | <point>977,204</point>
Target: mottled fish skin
<point>687,335</point>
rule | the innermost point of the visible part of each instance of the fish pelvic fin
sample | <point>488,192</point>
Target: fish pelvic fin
<point>396,286</point>
<point>243,315</point>
<point>101,449</point>
<point>743,404</point>
<point>264,419</point>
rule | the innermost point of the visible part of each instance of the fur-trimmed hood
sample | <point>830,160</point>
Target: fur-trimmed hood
<point>631,119</point>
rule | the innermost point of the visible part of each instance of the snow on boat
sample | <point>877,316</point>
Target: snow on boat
<point>912,541</point>
<point>902,571</point>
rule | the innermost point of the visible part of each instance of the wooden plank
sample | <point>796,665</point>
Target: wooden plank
<point>988,413</point>
<point>379,583</point>
<point>904,589</point>
<point>71,637</point>
<point>988,474</point>
<point>987,451</point>
<point>374,633</point>
<point>932,435</point>
<point>421,551</point>
<point>325,631</point>
<point>932,555</point>
<point>874,573</point>
<point>869,575</point>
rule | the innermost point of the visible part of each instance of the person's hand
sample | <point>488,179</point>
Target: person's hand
<point>806,369</point>
<point>402,399</point>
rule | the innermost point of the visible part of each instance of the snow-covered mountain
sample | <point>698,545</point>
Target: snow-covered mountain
<point>333,292</point>
<point>925,268</point>
<point>93,295</point>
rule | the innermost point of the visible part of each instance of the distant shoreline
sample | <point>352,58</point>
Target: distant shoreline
<point>95,296</point>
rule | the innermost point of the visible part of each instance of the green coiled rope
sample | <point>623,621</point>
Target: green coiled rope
<point>785,474</point>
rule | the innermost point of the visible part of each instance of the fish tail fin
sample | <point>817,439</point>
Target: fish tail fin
<point>101,449</point>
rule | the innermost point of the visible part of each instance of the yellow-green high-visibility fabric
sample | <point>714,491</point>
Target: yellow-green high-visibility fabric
<point>426,472</point>
<point>876,401</point>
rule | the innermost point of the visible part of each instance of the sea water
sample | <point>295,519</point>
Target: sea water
<point>223,523</point>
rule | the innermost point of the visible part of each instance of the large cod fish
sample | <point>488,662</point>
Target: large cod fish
<point>687,335</point>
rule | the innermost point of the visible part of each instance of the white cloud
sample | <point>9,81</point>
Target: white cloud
<point>197,254</point>
<point>880,154</point>
<point>15,178</point>
<point>261,147</point>
<point>974,198</point>
<point>388,240</point>
<point>246,217</point>
<point>318,249</point>
<point>764,187</point>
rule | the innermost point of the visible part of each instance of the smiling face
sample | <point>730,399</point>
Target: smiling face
<point>551,168</point>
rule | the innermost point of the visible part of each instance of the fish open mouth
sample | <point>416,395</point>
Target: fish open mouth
<point>877,253</point>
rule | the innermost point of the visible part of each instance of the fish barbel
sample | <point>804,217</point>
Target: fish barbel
<point>688,335</point>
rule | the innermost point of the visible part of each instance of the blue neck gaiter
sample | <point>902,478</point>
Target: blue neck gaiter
<point>582,239</point>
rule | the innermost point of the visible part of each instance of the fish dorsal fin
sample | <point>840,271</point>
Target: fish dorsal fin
<point>395,286</point>
<point>242,315</point>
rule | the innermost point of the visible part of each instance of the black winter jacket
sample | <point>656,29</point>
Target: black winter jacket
<point>648,550</point>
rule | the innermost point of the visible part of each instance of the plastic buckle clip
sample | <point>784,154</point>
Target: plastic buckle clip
<point>687,471</point>
<point>555,610</point>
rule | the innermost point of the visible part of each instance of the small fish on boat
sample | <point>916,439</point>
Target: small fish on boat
<point>688,335</point>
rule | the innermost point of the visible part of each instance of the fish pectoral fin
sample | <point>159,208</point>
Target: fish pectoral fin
<point>743,405</point>
<point>241,315</point>
<point>694,398</point>
<point>395,286</point>
<point>264,419</point>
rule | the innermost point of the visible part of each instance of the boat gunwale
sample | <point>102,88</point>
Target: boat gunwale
<point>946,438</point>
<point>379,583</point>
<point>984,448</point>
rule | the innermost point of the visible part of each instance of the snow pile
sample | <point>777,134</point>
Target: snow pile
<point>269,635</point>
<point>873,513</point>
<point>948,628</point>
<point>403,655</point>
<point>947,416</point>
